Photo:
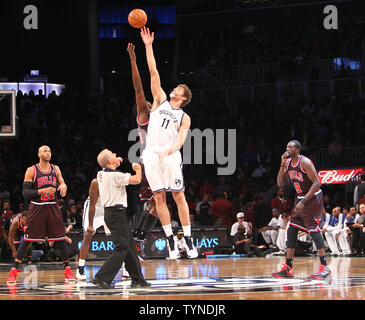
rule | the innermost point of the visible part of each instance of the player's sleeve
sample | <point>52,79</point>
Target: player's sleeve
<point>122,179</point>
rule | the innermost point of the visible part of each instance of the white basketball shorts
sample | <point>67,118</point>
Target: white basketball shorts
<point>163,176</point>
<point>98,218</point>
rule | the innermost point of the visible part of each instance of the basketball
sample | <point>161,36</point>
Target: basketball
<point>137,18</point>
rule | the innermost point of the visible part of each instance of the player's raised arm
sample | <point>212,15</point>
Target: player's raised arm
<point>142,109</point>
<point>281,177</point>
<point>158,94</point>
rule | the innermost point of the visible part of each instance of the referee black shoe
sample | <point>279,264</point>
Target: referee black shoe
<point>101,284</point>
<point>140,284</point>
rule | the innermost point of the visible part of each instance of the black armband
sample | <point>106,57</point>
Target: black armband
<point>28,191</point>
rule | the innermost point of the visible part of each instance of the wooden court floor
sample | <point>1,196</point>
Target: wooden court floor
<point>198,279</point>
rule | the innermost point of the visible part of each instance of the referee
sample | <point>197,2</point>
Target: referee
<point>114,199</point>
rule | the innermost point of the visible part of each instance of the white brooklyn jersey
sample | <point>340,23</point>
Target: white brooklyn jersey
<point>163,127</point>
<point>99,209</point>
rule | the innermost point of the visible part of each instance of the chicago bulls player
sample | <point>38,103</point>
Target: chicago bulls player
<point>149,215</point>
<point>44,219</point>
<point>308,207</point>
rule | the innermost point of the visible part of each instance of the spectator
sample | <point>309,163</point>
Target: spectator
<point>281,203</point>
<point>270,232</point>
<point>223,186</point>
<point>242,244</point>
<point>259,171</point>
<point>358,233</point>
<point>7,213</point>
<point>203,215</point>
<point>283,221</point>
<point>73,218</point>
<point>359,191</point>
<point>222,211</point>
<point>4,194</point>
<point>241,222</point>
<point>181,245</point>
<point>333,229</point>
<point>206,188</point>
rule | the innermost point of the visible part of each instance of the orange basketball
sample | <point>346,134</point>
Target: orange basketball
<point>137,18</point>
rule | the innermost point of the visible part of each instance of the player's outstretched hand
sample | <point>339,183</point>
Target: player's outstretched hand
<point>146,36</point>
<point>130,49</point>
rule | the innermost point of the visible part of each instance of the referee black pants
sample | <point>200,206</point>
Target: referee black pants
<point>125,250</point>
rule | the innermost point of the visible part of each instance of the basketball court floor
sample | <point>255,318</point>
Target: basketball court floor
<point>199,279</point>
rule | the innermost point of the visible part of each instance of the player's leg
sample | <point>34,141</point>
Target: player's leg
<point>21,254</point>
<point>84,250</point>
<point>287,269</point>
<point>184,216</point>
<point>29,253</point>
<point>312,215</point>
<point>56,233</point>
<point>36,231</point>
<point>165,219</point>
<point>147,221</point>
<point>149,215</point>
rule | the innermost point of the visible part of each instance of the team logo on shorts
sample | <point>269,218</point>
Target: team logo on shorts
<point>178,182</point>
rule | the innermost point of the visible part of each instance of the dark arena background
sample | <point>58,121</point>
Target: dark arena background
<point>270,71</point>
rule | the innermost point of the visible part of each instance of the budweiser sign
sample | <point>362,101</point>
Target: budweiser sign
<point>337,176</point>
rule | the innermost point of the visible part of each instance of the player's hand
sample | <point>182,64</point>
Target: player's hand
<point>48,190</point>
<point>136,166</point>
<point>68,229</point>
<point>146,36</point>
<point>285,156</point>
<point>130,49</point>
<point>62,188</point>
<point>299,207</point>
<point>90,230</point>
<point>162,155</point>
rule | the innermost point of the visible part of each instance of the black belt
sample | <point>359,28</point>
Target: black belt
<point>117,207</point>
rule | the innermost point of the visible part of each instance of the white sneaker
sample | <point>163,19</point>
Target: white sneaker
<point>173,252</point>
<point>80,276</point>
<point>192,252</point>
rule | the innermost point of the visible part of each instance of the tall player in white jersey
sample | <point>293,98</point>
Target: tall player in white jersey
<point>167,130</point>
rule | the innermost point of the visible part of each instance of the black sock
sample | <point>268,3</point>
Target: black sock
<point>140,223</point>
<point>323,260</point>
<point>66,264</point>
<point>289,262</point>
<point>16,264</point>
<point>81,270</point>
<point>149,223</point>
